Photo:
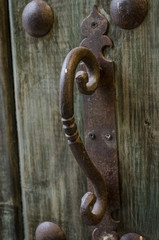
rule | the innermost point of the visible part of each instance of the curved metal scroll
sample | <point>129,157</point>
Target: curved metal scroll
<point>93,206</point>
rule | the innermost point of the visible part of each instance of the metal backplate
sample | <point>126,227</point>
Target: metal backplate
<point>100,120</point>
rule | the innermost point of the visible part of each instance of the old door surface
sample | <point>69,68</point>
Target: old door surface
<point>40,180</point>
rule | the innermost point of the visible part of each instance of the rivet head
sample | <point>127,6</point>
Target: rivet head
<point>128,14</point>
<point>49,230</point>
<point>37,18</point>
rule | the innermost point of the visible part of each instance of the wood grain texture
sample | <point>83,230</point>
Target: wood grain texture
<point>135,55</point>
<point>51,180</point>
<point>52,183</point>
<point>11,224</point>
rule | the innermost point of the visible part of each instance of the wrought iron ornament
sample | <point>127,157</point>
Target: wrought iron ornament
<point>98,159</point>
<point>99,117</point>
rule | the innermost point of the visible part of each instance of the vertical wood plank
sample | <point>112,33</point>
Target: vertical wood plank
<point>52,183</point>
<point>49,193</point>
<point>135,55</point>
<point>11,223</point>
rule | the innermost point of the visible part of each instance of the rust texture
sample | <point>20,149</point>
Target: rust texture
<point>93,205</point>
<point>99,116</point>
<point>98,159</point>
<point>100,125</point>
<point>128,14</point>
<point>49,231</point>
<point>37,18</point>
<point>101,235</point>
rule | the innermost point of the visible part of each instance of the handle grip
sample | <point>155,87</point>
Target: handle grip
<point>93,205</point>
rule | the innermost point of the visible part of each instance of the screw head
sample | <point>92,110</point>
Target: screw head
<point>94,24</point>
<point>108,136</point>
<point>91,136</point>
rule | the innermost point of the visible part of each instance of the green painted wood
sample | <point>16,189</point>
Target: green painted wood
<point>11,226</point>
<point>136,59</point>
<point>52,183</point>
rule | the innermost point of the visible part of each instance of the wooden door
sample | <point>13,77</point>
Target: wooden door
<point>40,179</point>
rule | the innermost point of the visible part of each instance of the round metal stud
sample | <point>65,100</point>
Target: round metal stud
<point>50,231</point>
<point>132,236</point>
<point>37,18</point>
<point>128,14</point>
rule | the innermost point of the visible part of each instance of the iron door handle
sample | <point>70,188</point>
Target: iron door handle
<point>98,83</point>
<point>87,84</point>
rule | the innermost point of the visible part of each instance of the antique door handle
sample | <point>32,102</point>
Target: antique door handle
<point>100,161</point>
<point>87,84</point>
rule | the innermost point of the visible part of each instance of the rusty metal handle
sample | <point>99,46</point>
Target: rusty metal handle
<point>93,205</point>
<point>101,108</point>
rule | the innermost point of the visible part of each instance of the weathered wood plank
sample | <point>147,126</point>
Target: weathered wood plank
<point>52,183</point>
<point>135,55</point>
<point>11,226</point>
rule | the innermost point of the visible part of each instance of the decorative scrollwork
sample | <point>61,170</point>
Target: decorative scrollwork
<point>93,205</point>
